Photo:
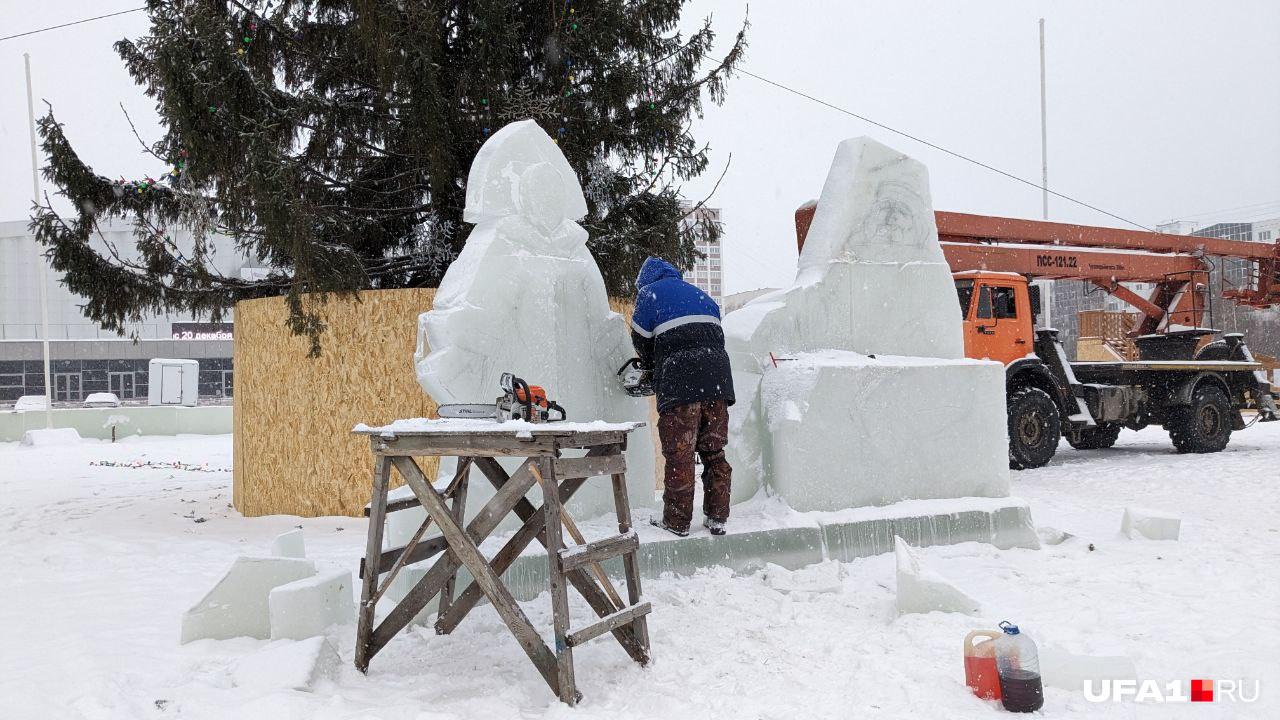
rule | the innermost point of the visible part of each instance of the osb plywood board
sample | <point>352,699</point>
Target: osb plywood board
<point>293,450</point>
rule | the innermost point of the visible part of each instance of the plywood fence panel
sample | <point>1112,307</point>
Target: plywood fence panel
<point>293,450</point>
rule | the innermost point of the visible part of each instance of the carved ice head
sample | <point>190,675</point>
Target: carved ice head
<point>521,171</point>
<point>875,207</point>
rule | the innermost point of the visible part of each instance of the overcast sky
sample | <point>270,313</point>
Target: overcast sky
<point>1158,109</point>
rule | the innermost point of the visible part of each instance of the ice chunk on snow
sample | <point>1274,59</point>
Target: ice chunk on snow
<point>1067,671</point>
<point>289,544</point>
<point>823,577</point>
<point>288,665</point>
<point>1150,524</point>
<point>306,607</point>
<point>923,590</point>
<point>50,436</point>
<point>872,356</point>
<point>525,296</point>
<point>237,604</point>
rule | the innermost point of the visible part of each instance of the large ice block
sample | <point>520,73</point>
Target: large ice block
<point>237,605</point>
<point>307,607</point>
<point>526,296</point>
<point>852,384</point>
<point>845,430</point>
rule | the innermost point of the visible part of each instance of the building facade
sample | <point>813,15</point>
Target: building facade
<point>708,272</point>
<point>84,358</point>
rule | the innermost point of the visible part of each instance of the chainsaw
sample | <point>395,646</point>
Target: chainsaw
<point>637,380</point>
<point>519,401</point>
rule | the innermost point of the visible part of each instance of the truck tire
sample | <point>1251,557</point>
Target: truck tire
<point>1204,426</point>
<point>1096,438</point>
<point>1034,428</point>
<point>1216,350</point>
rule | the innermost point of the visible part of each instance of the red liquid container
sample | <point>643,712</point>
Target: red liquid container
<point>981,673</point>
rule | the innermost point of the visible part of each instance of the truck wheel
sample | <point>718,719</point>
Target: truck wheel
<point>1216,350</point>
<point>1034,428</point>
<point>1096,438</point>
<point>1204,426</point>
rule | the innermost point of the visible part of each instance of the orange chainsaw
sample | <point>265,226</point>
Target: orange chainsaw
<point>519,401</point>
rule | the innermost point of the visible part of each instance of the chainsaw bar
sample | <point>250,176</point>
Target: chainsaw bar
<point>470,412</point>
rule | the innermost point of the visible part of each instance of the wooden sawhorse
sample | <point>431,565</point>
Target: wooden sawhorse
<point>476,445</point>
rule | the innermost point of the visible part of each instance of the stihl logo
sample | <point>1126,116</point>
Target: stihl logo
<point>1152,691</point>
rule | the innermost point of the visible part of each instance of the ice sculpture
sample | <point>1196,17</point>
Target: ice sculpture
<point>525,296</point>
<point>873,401</point>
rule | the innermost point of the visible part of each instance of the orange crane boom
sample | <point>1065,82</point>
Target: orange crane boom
<point>1106,257</point>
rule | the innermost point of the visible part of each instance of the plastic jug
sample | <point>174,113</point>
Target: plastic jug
<point>980,672</point>
<point>1018,663</point>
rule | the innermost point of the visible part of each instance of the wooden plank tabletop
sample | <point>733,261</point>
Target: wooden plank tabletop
<point>491,428</point>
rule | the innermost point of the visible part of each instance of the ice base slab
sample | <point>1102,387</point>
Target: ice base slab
<point>843,536</point>
<point>287,665</point>
<point>847,430</point>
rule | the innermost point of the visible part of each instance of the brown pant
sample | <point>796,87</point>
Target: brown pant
<point>702,427</point>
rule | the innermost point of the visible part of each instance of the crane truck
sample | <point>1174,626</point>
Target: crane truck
<point>1197,388</point>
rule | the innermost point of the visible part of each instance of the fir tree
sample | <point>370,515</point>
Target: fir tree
<point>331,139</point>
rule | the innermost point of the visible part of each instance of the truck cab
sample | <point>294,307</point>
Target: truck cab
<point>999,311</point>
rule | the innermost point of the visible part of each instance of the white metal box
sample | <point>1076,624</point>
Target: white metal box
<point>173,382</point>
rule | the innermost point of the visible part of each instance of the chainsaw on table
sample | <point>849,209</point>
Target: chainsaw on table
<point>519,401</point>
<point>637,380</point>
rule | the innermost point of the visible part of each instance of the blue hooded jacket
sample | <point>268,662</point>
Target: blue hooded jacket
<point>676,332</point>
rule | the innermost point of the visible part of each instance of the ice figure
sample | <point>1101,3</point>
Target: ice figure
<point>874,402</point>
<point>525,296</point>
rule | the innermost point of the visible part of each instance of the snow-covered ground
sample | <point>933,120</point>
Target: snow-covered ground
<point>99,562</point>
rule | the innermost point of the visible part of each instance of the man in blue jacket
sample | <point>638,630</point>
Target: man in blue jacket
<point>676,332</point>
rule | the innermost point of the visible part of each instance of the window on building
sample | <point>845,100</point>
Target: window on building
<point>122,384</point>
<point>227,383</point>
<point>66,387</point>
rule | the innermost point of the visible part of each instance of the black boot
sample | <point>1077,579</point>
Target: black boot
<point>715,526</point>
<point>660,523</point>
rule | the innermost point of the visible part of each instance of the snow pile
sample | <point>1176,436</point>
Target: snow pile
<point>525,296</point>
<point>836,375</point>
<point>50,436</point>
<point>102,399</point>
<point>1150,524</point>
<point>824,577</point>
<point>922,589</point>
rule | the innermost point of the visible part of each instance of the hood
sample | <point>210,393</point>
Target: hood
<point>655,269</point>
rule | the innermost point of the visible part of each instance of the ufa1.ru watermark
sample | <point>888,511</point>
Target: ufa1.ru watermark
<point>1246,691</point>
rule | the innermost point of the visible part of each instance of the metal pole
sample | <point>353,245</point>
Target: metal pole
<point>1046,286</point>
<point>1044,129</point>
<point>40,259</point>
